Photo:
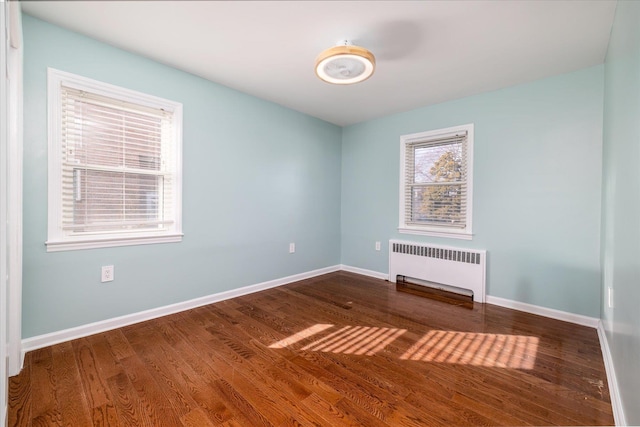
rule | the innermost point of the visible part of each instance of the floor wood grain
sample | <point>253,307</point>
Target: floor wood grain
<point>339,349</point>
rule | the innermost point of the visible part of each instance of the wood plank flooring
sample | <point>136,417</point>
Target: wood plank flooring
<point>339,349</point>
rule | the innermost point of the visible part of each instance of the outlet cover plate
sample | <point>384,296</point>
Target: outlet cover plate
<point>107,273</point>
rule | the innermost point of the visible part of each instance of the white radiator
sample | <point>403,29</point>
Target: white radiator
<point>440,265</point>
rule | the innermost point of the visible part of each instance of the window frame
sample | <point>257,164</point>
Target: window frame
<point>465,233</point>
<point>61,240</point>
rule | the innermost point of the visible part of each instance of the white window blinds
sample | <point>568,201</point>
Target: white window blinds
<point>436,181</point>
<point>117,165</point>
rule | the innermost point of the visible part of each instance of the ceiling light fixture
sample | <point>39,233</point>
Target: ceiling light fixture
<point>345,64</point>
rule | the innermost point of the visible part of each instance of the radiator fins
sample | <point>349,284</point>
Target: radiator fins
<point>437,253</point>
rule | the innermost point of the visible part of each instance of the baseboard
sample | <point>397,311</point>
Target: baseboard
<point>364,272</point>
<point>591,322</point>
<point>57,337</point>
<point>612,380</point>
<point>52,338</point>
<point>578,319</point>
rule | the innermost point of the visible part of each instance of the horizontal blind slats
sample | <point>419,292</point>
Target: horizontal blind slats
<point>110,120</point>
<point>117,164</point>
<point>436,181</point>
<point>105,101</point>
<point>84,137</point>
<point>439,141</point>
<point>70,167</point>
<point>108,128</point>
<point>122,224</point>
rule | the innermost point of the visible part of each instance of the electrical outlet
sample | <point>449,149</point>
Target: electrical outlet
<point>377,246</point>
<point>107,273</point>
<point>610,297</point>
<point>292,248</point>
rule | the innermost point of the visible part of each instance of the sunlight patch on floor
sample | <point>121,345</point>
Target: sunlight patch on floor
<point>476,349</point>
<point>360,340</point>
<point>366,340</point>
<point>464,348</point>
<point>315,329</point>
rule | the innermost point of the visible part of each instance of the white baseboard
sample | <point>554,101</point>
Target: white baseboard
<point>578,319</point>
<point>45,340</point>
<point>52,338</point>
<point>364,272</point>
<point>612,380</point>
<point>57,337</point>
<point>592,322</point>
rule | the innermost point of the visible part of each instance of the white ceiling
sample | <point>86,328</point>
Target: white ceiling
<point>426,51</point>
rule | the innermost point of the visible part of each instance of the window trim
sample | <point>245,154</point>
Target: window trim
<point>426,230</point>
<point>56,238</point>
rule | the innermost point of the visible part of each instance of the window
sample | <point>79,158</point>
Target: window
<point>114,165</point>
<point>436,172</point>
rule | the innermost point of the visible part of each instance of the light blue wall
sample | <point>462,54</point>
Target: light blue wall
<point>256,177</point>
<point>537,180</point>
<point>621,203</point>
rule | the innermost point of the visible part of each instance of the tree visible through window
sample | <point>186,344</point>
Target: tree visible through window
<point>436,181</point>
<point>439,177</point>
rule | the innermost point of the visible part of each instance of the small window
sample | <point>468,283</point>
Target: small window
<point>436,174</point>
<point>114,165</point>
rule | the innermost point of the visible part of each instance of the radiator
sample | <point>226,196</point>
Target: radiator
<point>439,265</point>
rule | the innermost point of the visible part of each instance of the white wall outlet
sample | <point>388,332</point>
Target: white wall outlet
<point>610,296</point>
<point>292,248</point>
<point>107,273</point>
<point>377,246</point>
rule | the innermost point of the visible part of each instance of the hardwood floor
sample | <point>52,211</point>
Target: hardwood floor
<point>339,349</point>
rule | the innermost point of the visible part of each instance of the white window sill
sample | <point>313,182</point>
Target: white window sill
<point>95,243</point>
<point>436,233</point>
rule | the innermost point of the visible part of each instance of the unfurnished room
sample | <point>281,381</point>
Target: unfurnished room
<point>320,213</point>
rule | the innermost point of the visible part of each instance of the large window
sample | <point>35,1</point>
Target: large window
<point>436,182</point>
<point>114,165</point>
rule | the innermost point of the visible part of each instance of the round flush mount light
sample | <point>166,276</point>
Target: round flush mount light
<point>345,64</point>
